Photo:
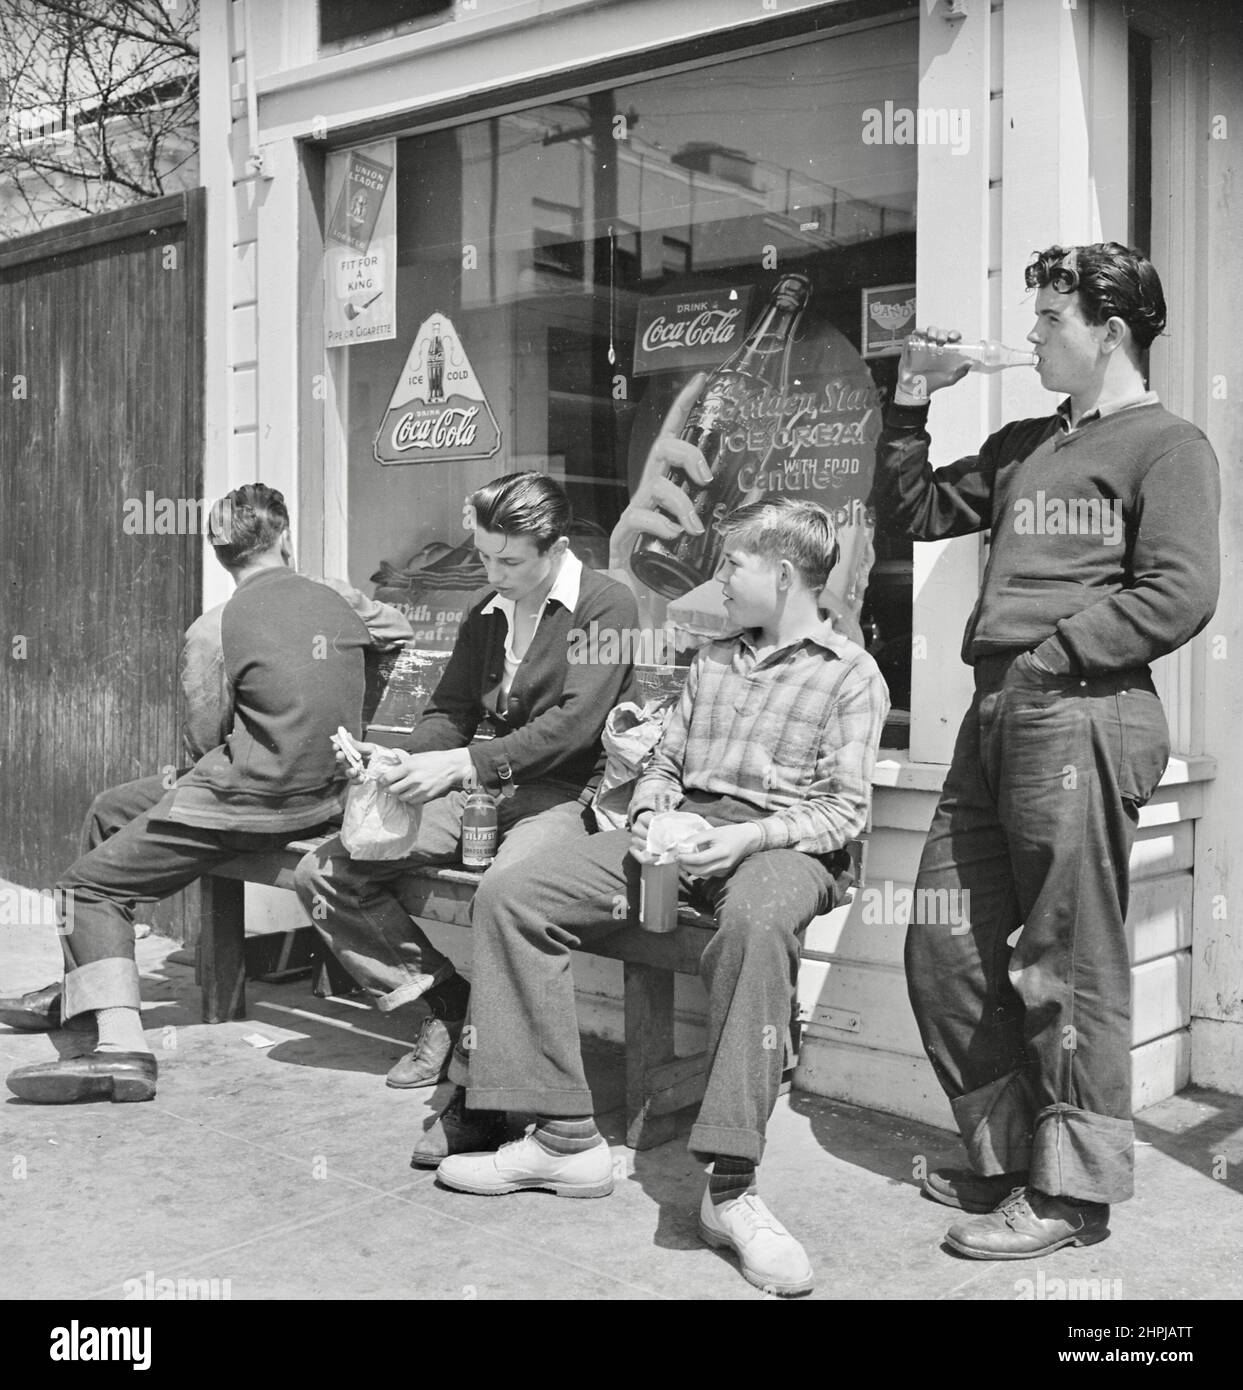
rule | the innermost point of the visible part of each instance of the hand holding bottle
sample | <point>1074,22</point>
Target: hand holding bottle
<point>937,358</point>
<point>659,507</point>
<point>929,364</point>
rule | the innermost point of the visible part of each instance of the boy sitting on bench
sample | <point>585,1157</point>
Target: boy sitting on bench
<point>773,742</point>
<point>509,674</point>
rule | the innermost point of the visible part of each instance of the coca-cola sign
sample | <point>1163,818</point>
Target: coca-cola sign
<point>699,328</point>
<point>438,409</point>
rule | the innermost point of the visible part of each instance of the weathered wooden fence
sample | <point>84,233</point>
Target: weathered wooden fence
<point>101,352</point>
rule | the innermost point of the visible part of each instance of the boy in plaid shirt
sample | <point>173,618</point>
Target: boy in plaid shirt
<point>773,742</point>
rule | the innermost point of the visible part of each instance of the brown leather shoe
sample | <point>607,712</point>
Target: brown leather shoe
<point>457,1130</point>
<point>968,1191</point>
<point>115,1076</point>
<point>427,1062</point>
<point>35,1012</point>
<point>1030,1223</point>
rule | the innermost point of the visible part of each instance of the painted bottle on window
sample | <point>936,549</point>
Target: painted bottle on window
<point>732,401</point>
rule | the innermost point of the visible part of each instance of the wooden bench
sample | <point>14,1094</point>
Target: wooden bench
<point>658,1082</point>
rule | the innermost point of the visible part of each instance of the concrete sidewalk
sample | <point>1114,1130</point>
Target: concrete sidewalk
<point>280,1172</point>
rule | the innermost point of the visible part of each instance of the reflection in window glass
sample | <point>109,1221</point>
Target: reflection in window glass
<point>594,254</point>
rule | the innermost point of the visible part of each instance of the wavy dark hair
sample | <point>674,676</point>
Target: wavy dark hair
<point>245,522</point>
<point>523,504</point>
<point>1112,280</point>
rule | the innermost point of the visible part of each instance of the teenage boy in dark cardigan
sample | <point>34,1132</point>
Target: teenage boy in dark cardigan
<point>1103,557</point>
<point>511,672</point>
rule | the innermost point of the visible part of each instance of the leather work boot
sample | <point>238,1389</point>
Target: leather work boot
<point>115,1076</point>
<point>960,1187</point>
<point>35,1012</point>
<point>527,1164</point>
<point>770,1257</point>
<point>1030,1223</point>
<point>427,1062</point>
<point>457,1130</point>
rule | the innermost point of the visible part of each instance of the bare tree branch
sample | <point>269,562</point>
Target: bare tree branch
<point>156,32</point>
<point>102,99</point>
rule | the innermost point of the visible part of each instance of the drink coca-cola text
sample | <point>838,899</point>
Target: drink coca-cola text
<point>715,326</point>
<point>453,427</point>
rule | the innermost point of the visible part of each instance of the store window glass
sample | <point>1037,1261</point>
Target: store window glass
<point>570,276</point>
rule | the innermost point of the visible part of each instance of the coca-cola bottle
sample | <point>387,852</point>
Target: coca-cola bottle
<point>718,425</point>
<point>436,368</point>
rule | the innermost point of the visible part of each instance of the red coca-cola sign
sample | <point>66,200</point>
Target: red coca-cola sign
<point>699,328</point>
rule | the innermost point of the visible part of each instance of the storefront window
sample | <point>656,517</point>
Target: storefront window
<point>564,271</point>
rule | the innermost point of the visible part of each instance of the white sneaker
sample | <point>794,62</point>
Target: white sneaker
<point>771,1258</point>
<point>527,1164</point>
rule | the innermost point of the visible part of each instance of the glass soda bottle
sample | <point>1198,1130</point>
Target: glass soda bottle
<point>480,832</point>
<point>986,356</point>
<point>758,368</point>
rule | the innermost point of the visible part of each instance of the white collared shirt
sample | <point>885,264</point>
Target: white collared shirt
<point>564,589</point>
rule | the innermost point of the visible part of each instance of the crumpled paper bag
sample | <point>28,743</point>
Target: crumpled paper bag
<point>630,734</point>
<point>377,825</point>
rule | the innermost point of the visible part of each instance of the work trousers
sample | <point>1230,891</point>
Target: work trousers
<point>363,908</point>
<point>118,806</point>
<point>524,1051</point>
<point>1016,955</point>
<point>138,859</point>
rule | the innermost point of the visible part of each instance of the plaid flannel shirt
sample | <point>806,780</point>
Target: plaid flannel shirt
<point>793,735</point>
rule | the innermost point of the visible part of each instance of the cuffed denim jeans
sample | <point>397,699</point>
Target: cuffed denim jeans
<point>140,857</point>
<point>1029,1030</point>
<point>527,917</point>
<point>363,908</point>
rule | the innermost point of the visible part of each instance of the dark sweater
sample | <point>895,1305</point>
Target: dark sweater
<point>1104,550</point>
<point>293,655</point>
<point>556,708</point>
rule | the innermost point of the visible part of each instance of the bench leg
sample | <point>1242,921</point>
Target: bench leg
<point>649,1044</point>
<point>221,950</point>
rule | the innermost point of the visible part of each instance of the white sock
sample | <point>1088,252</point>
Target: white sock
<point>120,1030</point>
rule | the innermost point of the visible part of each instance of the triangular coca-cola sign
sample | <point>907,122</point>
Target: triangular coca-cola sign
<point>437,410</point>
